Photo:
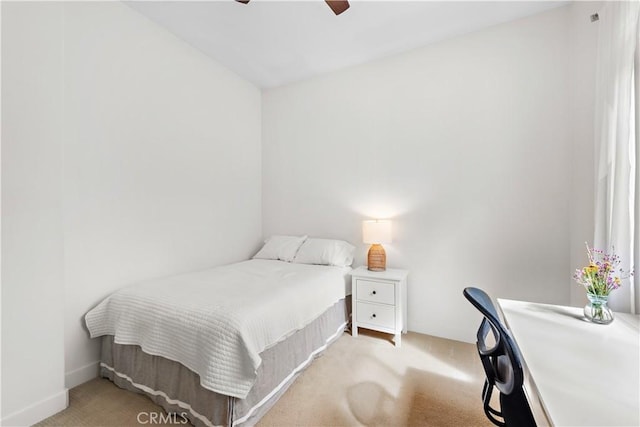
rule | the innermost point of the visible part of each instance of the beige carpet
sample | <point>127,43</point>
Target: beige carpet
<point>358,381</point>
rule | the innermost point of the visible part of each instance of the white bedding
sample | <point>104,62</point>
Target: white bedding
<point>216,322</point>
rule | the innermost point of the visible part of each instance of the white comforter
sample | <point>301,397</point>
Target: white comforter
<point>216,322</point>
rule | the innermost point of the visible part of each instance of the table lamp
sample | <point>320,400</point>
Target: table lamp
<point>376,232</point>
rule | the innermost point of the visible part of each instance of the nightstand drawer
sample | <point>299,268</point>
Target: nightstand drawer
<point>376,314</point>
<point>381,292</point>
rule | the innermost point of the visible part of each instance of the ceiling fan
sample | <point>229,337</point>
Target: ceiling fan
<point>338,6</point>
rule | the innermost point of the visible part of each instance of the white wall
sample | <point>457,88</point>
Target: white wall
<point>465,144</point>
<point>126,154</point>
<point>32,213</point>
<point>162,162</point>
<point>583,40</point>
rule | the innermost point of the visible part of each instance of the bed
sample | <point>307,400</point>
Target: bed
<point>220,346</point>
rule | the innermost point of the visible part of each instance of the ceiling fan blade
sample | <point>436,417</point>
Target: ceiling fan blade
<point>243,1</point>
<point>338,6</point>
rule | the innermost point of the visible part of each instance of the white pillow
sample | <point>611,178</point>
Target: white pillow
<point>325,252</point>
<point>283,248</point>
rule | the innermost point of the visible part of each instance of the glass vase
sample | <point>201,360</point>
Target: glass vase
<point>597,310</point>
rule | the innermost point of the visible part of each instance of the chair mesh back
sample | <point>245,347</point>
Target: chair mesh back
<point>501,361</point>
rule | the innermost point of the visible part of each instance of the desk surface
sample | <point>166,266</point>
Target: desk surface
<point>585,374</point>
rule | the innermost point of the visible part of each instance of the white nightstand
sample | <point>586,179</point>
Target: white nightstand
<point>379,301</point>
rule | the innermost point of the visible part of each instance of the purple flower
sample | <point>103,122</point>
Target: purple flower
<point>598,277</point>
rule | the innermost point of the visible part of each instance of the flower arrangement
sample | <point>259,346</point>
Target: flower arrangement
<point>603,274</point>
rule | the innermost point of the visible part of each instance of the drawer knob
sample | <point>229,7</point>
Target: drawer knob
<point>373,315</point>
<point>374,292</point>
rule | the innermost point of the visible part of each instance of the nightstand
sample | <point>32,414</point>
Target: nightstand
<point>379,301</point>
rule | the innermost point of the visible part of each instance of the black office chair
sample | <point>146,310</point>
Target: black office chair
<point>502,366</point>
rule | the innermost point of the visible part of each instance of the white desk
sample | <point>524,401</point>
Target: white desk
<point>584,374</point>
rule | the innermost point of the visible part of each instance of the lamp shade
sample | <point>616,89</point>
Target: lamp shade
<point>376,231</point>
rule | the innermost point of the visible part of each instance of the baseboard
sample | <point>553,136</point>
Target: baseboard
<point>37,412</point>
<point>81,375</point>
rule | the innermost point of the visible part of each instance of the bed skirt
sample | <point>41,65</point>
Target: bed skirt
<point>177,389</point>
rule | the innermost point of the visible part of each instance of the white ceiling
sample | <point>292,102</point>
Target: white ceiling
<point>272,43</point>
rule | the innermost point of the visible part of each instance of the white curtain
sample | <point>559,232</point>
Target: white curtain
<point>636,247</point>
<point>615,133</point>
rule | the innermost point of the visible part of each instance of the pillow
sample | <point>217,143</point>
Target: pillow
<point>325,252</point>
<point>283,248</point>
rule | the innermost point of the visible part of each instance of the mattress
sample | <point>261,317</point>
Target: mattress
<point>217,322</point>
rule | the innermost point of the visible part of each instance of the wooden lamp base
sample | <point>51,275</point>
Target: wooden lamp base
<point>376,258</point>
